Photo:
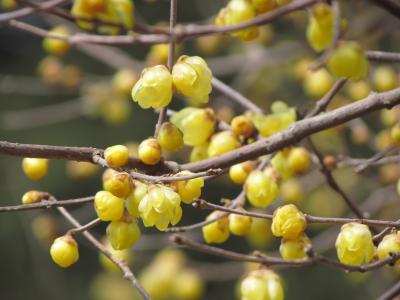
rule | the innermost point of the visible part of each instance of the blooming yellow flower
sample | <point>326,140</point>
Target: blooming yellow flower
<point>159,207</point>
<point>288,222</point>
<point>108,207</point>
<point>123,234</point>
<point>354,245</point>
<point>197,124</point>
<point>154,88</point>
<point>192,78</point>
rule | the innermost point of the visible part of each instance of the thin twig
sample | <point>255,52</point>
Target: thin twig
<point>83,228</point>
<point>201,203</point>
<point>323,103</point>
<point>235,95</point>
<point>383,56</point>
<point>332,182</point>
<point>275,261</point>
<point>127,273</point>
<point>171,58</point>
<point>45,204</point>
<point>374,159</point>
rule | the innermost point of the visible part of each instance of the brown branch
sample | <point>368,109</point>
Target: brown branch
<point>391,6</point>
<point>162,116</point>
<point>275,261</point>
<point>394,291</point>
<point>235,95</point>
<point>127,273</point>
<point>201,203</point>
<point>78,154</point>
<point>45,204</point>
<point>83,228</point>
<point>192,31</point>
<point>323,103</point>
<point>374,159</point>
<point>299,130</point>
<point>354,162</point>
<point>179,33</point>
<point>383,56</point>
<point>26,11</point>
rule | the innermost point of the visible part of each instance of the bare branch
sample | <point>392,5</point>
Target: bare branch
<point>235,95</point>
<point>332,182</point>
<point>299,130</point>
<point>323,103</point>
<point>45,204</point>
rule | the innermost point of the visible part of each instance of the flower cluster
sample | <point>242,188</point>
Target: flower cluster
<point>190,77</point>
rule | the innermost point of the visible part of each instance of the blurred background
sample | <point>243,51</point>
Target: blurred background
<point>72,100</point>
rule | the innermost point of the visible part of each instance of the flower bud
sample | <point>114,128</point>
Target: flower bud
<point>118,184</point>
<point>57,46</point>
<point>149,151</point>
<point>239,225</point>
<point>35,168</point>
<point>222,142</point>
<point>217,231</point>
<point>64,251</point>
<point>261,188</point>
<point>33,197</point>
<point>116,156</point>
<point>189,189</point>
<point>170,137</point>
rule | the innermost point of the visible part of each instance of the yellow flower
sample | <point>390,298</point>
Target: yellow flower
<point>389,244</point>
<point>288,222</point>
<point>320,29</point>
<point>218,231</point>
<point>197,124</point>
<point>261,285</point>
<point>154,88</point>
<point>222,142</point>
<point>123,234</point>
<point>261,188</point>
<point>134,198</point>
<point>238,173</point>
<point>354,245</point>
<point>192,78</point>
<point>159,207</point>
<point>262,6</point>
<point>108,207</point>
<point>64,251</point>
<point>295,248</point>
<point>189,189</point>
